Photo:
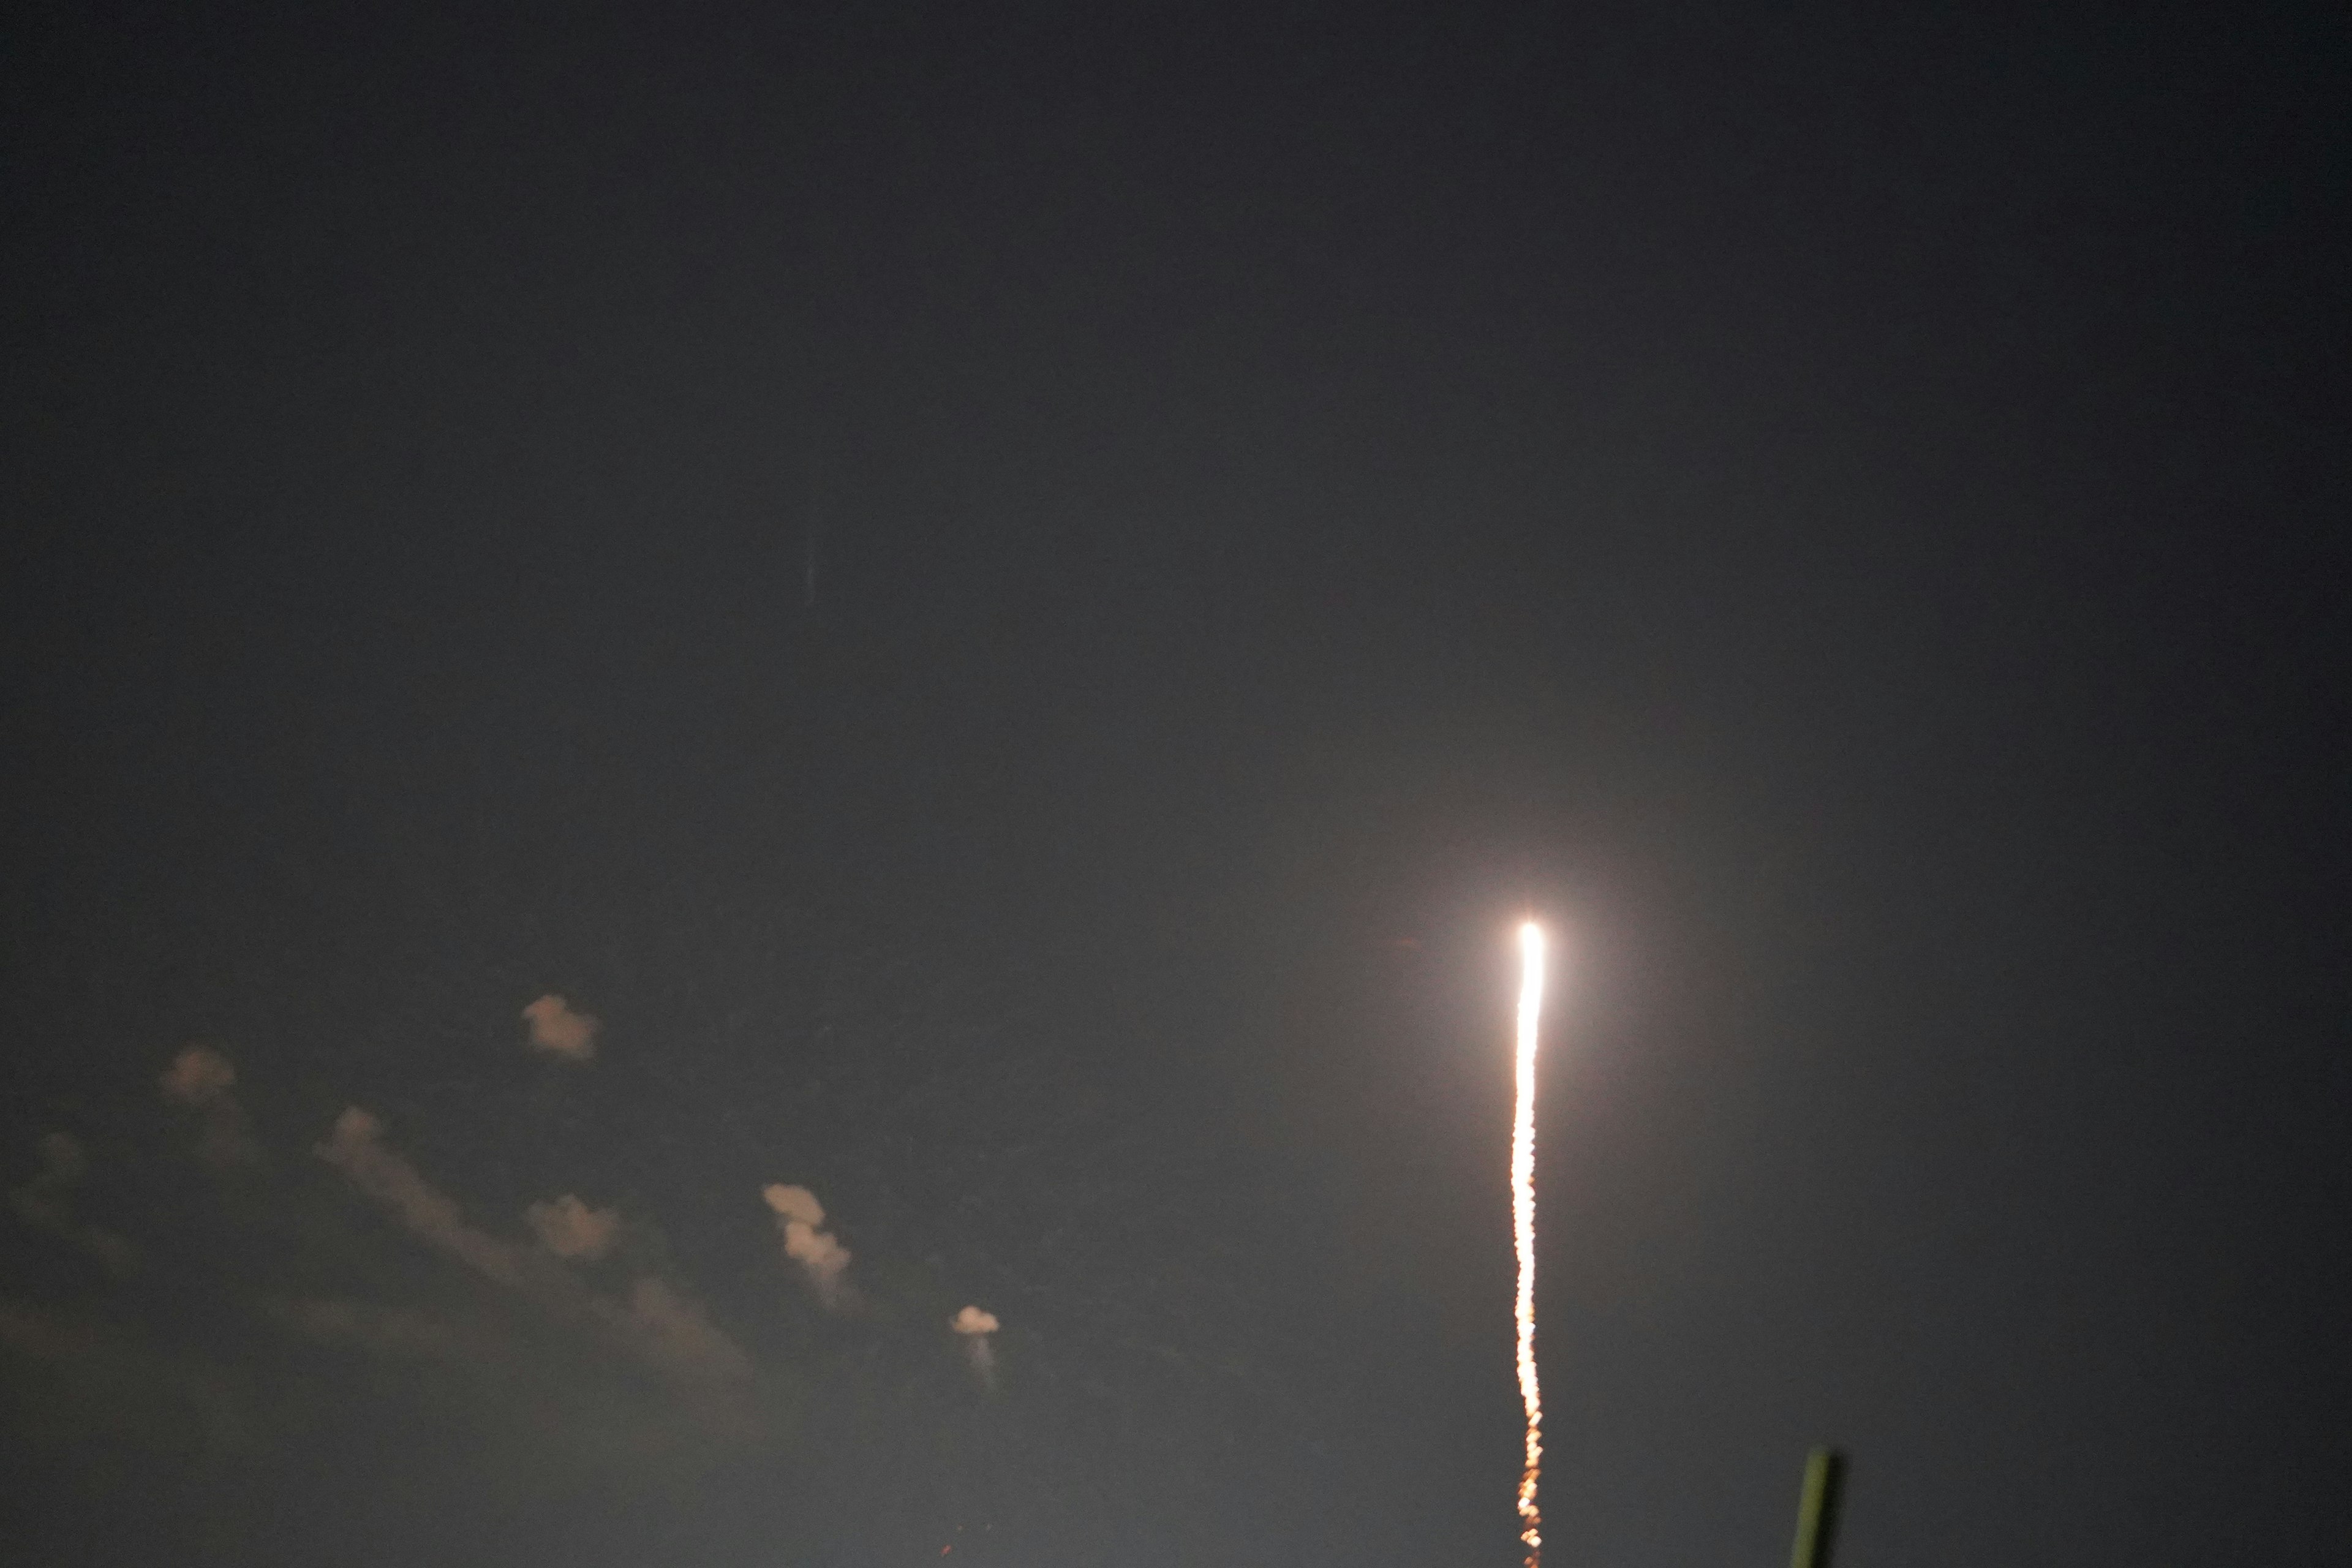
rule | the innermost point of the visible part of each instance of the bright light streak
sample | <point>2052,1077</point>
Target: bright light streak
<point>1523,1228</point>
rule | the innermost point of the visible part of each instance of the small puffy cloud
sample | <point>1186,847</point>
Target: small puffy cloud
<point>198,1076</point>
<point>817,1250</point>
<point>793,1203</point>
<point>820,1254</point>
<point>204,1080</point>
<point>560,1031</point>
<point>975,1324</point>
<point>570,1229</point>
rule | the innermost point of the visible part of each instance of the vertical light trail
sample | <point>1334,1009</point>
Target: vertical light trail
<point>1523,1228</point>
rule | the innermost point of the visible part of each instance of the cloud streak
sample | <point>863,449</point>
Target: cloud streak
<point>656,1323</point>
<point>356,1148</point>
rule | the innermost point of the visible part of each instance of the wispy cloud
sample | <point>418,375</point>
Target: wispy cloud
<point>356,1148</point>
<point>45,1203</point>
<point>369,1325</point>
<point>676,1335</point>
<point>658,1322</point>
<point>118,1385</point>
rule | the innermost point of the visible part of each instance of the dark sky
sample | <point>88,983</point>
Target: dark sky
<point>1839,510</point>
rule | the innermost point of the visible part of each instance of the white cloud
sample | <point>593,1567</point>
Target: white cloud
<point>820,1254</point>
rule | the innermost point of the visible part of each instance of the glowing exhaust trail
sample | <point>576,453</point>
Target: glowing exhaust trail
<point>1523,1227</point>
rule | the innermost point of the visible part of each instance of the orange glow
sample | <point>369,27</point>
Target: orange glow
<point>1523,1228</point>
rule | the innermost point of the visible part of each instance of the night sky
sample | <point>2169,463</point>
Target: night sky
<point>1016,601</point>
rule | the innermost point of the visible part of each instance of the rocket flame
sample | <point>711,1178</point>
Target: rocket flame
<point>1523,1218</point>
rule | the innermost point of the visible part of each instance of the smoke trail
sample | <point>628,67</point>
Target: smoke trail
<point>820,1256</point>
<point>356,1148</point>
<point>1523,1228</point>
<point>560,1031</point>
<point>658,1323</point>
<point>976,1324</point>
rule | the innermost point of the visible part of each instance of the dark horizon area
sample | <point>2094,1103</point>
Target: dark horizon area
<point>1016,600</point>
